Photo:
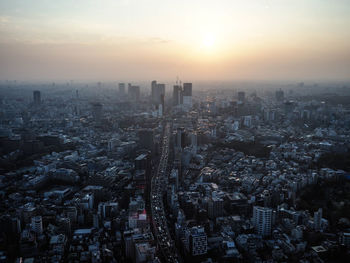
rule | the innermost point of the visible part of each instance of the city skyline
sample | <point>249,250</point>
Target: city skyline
<point>200,40</point>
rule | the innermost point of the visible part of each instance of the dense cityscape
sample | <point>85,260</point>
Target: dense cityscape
<point>174,172</point>
<point>161,131</point>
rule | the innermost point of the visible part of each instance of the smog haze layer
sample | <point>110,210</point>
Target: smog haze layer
<point>201,40</point>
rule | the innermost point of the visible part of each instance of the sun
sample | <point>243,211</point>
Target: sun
<point>208,41</point>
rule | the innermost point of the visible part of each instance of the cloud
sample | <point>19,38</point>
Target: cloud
<point>4,20</point>
<point>158,40</point>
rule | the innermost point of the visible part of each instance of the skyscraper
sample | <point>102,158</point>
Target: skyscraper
<point>177,95</point>
<point>121,87</point>
<point>279,95</point>
<point>158,90</point>
<point>215,207</point>
<point>318,219</point>
<point>97,111</point>
<point>37,224</point>
<point>153,90</point>
<point>187,94</point>
<point>161,91</point>
<point>241,96</point>
<point>146,137</point>
<point>36,97</point>
<point>196,241</point>
<point>262,220</point>
<point>162,105</point>
<point>134,92</point>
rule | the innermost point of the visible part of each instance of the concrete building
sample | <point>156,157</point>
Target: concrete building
<point>97,111</point>
<point>318,219</point>
<point>37,97</point>
<point>187,94</point>
<point>133,92</point>
<point>196,241</point>
<point>177,95</point>
<point>146,139</point>
<point>157,91</point>
<point>215,207</point>
<point>37,224</point>
<point>121,87</point>
<point>241,96</point>
<point>144,252</point>
<point>262,220</point>
<point>279,95</point>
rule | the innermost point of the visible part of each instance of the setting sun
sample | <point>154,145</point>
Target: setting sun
<point>208,41</point>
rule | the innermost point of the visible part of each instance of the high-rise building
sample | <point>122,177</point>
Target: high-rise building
<point>97,111</point>
<point>345,239</point>
<point>279,95</point>
<point>161,91</point>
<point>36,97</point>
<point>187,94</point>
<point>144,252</point>
<point>247,121</point>
<point>262,220</point>
<point>194,142</point>
<point>121,87</point>
<point>146,139</point>
<point>154,91</point>
<point>158,90</point>
<point>241,96</point>
<point>107,210</point>
<point>37,224</point>
<point>72,213</point>
<point>318,219</point>
<point>177,95</point>
<point>134,92</point>
<point>196,241</point>
<point>161,105</point>
<point>215,207</point>
<point>180,138</point>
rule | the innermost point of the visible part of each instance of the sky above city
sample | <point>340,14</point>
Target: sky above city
<point>289,40</point>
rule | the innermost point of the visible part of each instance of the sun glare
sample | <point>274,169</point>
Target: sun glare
<point>208,41</point>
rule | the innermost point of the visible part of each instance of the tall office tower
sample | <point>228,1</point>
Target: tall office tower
<point>97,111</point>
<point>146,137</point>
<point>180,140</point>
<point>134,92</point>
<point>318,219</point>
<point>194,139</point>
<point>154,91</point>
<point>196,241</point>
<point>158,90</point>
<point>187,94</point>
<point>279,95</point>
<point>215,207</point>
<point>108,209</point>
<point>241,96</point>
<point>37,224</point>
<point>247,121</point>
<point>177,95</point>
<point>37,97</point>
<point>161,92</point>
<point>262,220</point>
<point>72,213</point>
<point>121,87</point>
<point>162,105</point>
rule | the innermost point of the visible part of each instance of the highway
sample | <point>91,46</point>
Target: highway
<point>165,243</point>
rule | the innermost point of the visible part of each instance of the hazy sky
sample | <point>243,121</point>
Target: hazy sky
<point>161,39</point>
